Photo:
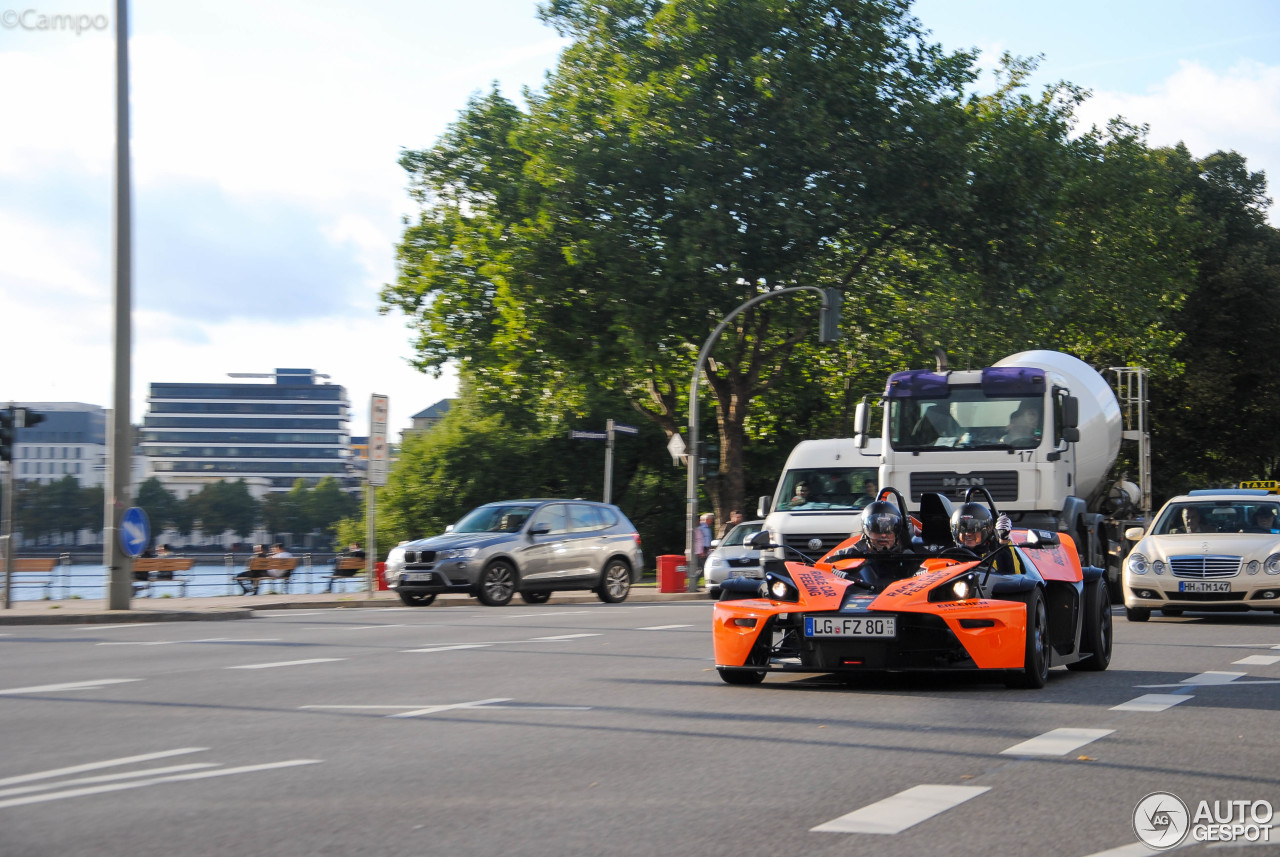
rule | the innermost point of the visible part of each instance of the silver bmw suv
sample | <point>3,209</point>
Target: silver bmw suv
<point>534,547</point>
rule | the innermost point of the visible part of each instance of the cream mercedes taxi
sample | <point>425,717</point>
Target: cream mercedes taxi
<point>1207,550</point>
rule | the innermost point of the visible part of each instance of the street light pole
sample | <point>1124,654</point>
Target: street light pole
<point>691,494</point>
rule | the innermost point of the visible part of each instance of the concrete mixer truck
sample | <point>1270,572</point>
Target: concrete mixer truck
<point>1039,430</point>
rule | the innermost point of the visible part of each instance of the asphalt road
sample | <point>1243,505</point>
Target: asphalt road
<point>600,729</point>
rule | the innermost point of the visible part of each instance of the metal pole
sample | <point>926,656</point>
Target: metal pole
<point>608,461</point>
<point>691,494</point>
<point>371,539</point>
<point>120,456</point>
<point>7,528</point>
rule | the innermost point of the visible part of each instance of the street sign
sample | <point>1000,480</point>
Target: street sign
<point>135,531</point>
<point>379,456</point>
<point>676,447</point>
<point>625,429</point>
<point>587,435</point>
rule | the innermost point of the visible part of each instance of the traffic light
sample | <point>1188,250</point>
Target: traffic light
<point>6,435</point>
<point>709,459</point>
<point>829,322</point>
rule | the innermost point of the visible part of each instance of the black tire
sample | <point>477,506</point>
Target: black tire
<point>414,599</point>
<point>713,592</point>
<point>1137,614</point>
<point>497,583</point>
<point>1170,611</point>
<point>615,583</point>
<point>536,597</point>
<point>1035,660</point>
<point>1095,636</point>
<point>737,676</point>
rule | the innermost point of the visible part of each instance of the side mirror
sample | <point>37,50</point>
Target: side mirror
<point>539,529</point>
<point>759,541</point>
<point>762,508</point>
<point>861,417</point>
<point>1071,413</point>
<point>448,528</point>
<point>715,543</point>
<point>1135,534</point>
<point>1071,434</point>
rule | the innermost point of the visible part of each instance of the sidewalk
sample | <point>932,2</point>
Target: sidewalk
<point>216,608</point>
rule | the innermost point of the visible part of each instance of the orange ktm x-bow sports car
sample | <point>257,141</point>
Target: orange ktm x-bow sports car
<point>1015,612</point>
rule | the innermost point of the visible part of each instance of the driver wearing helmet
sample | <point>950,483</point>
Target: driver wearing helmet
<point>885,555</point>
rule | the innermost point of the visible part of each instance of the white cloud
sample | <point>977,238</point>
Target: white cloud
<point>1209,111</point>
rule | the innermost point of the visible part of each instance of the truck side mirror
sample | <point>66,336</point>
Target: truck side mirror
<point>1071,413</point>
<point>860,419</point>
<point>762,507</point>
<point>1071,434</point>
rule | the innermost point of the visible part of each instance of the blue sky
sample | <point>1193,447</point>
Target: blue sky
<point>267,194</point>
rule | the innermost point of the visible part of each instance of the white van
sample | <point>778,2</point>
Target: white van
<point>820,496</point>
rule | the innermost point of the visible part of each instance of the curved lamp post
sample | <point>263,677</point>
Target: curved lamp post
<point>829,333</point>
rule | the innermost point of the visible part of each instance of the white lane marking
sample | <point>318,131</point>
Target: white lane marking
<point>663,627</point>
<point>96,684</point>
<point>109,627</point>
<point>176,778</point>
<point>177,642</point>
<point>555,613</point>
<point>451,648</point>
<point>435,709</point>
<point>107,778</point>
<point>94,766</point>
<point>1056,742</point>
<point>371,627</point>
<point>285,664</point>
<point>1213,677</point>
<point>905,809</point>
<point>289,614</point>
<point>557,638</point>
<point>418,709</point>
<point>1258,661</point>
<point>1152,702</point>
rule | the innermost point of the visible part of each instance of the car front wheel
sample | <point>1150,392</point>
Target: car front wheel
<point>497,583</point>
<point>1137,614</point>
<point>1035,663</point>
<point>1095,636</point>
<point>535,597</point>
<point>615,584</point>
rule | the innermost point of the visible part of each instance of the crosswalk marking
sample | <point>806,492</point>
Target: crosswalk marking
<point>1057,742</point>
<point>1258,661</point>
<point>284,664</point>
<point>1152,702</point>
<point>1213,677</point>
<point>903,810</point>
<point>107,778</point>
<point>450,648</point>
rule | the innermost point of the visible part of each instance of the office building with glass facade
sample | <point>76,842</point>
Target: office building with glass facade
<point>266,434</point>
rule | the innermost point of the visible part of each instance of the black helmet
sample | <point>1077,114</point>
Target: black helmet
<point>970,519</point>
<point>881,522</point>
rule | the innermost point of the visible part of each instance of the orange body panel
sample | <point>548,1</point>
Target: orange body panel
<point>1054,563</point>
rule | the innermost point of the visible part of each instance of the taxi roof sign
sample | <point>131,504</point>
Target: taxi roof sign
<point>1263,484</point>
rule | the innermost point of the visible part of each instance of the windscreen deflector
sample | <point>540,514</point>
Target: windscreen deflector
<point>1011,381</point>
<point>918,384</point>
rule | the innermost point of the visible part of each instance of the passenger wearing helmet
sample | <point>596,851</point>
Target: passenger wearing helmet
<point>973,527</point>
<point>881,523</point>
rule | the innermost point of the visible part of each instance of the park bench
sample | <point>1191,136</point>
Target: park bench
<point>160,569</point>
<point>354,567</point>
<point>260,568</point>
<point>37,565</point>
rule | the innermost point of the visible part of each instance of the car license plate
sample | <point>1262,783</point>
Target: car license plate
<point>850,626</point>
<point>419,577</point>
<point>1203,586</point>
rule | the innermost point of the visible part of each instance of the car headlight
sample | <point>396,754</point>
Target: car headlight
<point>1253,567</point>
<point>395,558</point>
<point>960,589</point>
<point>1158,566</point>
<point>781,588</point>
<point>1272,565</point>
<point>715,562</point>
<point>457,553</point>
<point>1138,563</point>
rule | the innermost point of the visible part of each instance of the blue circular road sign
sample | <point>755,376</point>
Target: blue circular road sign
<point>135,531</point>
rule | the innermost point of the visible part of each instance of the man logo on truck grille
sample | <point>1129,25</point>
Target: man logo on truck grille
<point>962,481</point>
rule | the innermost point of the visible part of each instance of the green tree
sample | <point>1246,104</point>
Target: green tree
<point>687,156</point>
<point>159,503</point>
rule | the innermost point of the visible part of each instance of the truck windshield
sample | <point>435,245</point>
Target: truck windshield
<point>967,419</point>
<point>827,488</point>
